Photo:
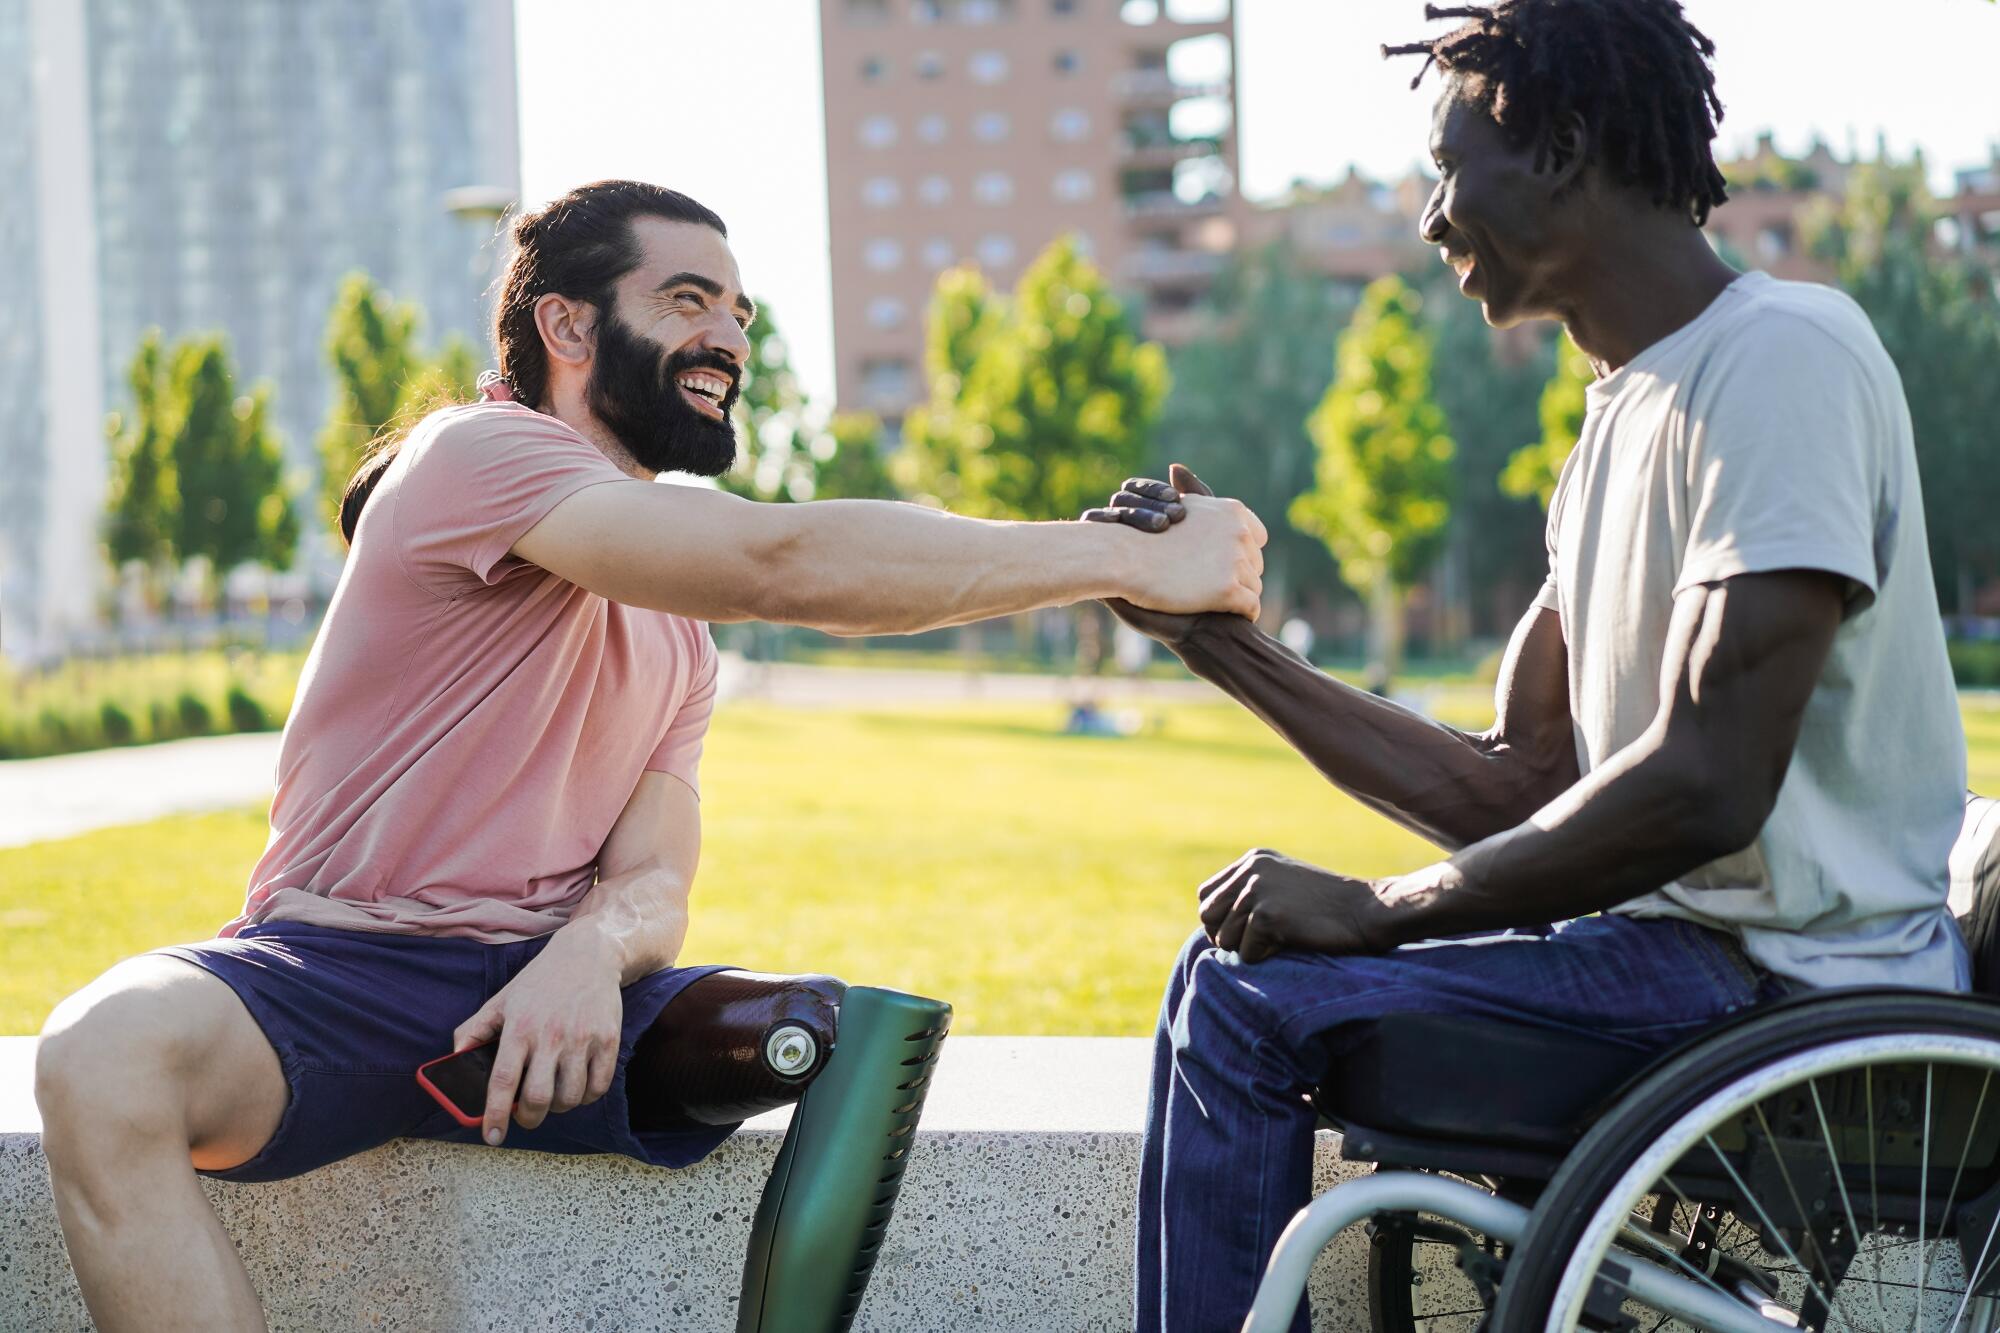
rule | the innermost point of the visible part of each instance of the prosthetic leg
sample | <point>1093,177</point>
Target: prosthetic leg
<point>858,1061</point>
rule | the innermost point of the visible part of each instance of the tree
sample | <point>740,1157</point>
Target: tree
<point>139,520</point>
<point>229,469</point>
<point>848,462</point>
<point>1040,405</point>
<point>773,459</point>
<point>1241,393</point>
<point>381,377</point>
<point>1534,468</point>
<point>1488,385</point>
<point>1383,483</point>
<point>1937,318</point>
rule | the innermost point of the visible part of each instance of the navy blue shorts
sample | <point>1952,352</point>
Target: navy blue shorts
<point>352,1014</point>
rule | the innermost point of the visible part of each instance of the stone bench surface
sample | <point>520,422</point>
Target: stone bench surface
<point>1016,1214</point>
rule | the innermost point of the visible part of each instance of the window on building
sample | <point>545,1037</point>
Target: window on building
<point>1070,124</point>
<point>881,192</point>
<point>990,126</point>
<point>878,131</point>
<point>867,11</point>
<point>1197,11</point>
<point>873,69</point>
<point>985,11</point>
<point>929,65</point>
<point>993,187</point>
<point>886,379</point>
<point>934,190</point>
<point>937,253</point>
<point>886,312</point>
<point>1068,62</point>
<point>931,128</point>
<point>987,66</point>
<point>882,254</point>
<point>996,250</point>
<point>926,11</point>
<point>1139,12</point>
<point>1073,186</point>
<point>1063,8</point>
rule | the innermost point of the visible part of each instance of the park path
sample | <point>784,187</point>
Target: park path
<point>56,798</point>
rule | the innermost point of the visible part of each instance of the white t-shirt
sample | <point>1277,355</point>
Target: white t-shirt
<point>1771,433</point>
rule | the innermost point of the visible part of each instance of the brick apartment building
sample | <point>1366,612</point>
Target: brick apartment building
<point>977,131</point>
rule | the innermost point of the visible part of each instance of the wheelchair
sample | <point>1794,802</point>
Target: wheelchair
<point>1826,1161</point>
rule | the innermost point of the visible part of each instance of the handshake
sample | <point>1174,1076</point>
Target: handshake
<point>1213,562</point>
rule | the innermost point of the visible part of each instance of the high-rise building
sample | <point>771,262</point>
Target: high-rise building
<point>198,165</point>
<point>977,131</point>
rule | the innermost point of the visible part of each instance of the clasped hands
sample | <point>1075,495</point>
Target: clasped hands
<point>1261,903</point>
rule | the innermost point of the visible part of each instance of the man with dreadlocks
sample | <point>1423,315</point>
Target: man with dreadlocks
<point>1727,753</point>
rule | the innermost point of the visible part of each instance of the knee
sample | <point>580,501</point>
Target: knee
<point>100,1068</point>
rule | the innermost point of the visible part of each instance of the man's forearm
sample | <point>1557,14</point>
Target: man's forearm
<point>1642,820</point>
<point>866,567</point>
<point>1446,785</point>
<point>635,922</point>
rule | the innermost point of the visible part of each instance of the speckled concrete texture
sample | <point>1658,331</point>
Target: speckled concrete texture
<point>1015,1217</point>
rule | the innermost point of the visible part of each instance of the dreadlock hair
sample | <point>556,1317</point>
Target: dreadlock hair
<point>1636,71</point>
<point>577,245</point>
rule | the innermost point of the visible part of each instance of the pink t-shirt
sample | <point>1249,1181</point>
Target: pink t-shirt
<point>469,726</point>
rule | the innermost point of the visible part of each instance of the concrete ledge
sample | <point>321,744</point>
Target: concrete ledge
<point>1016,1215</point>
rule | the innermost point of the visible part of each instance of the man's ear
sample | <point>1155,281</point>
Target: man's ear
<point>1568,146</point>
<point>565,326</point>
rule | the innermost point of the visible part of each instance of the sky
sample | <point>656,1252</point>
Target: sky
<point>722,101</point>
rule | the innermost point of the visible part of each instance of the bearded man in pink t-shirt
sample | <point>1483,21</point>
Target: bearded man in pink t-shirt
<point>486,824</point>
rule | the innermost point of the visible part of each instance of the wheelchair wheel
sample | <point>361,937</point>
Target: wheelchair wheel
<point>1831,1166</point>
<point>1426,1275</point>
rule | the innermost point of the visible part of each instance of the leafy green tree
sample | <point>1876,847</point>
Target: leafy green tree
<point>1241,393</point>
<point>233,504</point>
<point>382,378</point>
<point>1040,405</point>
<point>1937,318</point>
<point>139,521</point>
<point>1488,385</point>
<point>1533,470</point>
<point>848,462</point>
<point>1383,485</point>
<point>774,459</point>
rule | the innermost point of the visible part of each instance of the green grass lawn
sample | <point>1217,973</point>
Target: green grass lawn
<point>1040,883</point>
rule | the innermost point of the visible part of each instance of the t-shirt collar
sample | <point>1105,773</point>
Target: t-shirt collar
<point>1599,392</point>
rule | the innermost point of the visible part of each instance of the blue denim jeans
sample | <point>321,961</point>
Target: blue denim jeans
<point>1229,1137</point>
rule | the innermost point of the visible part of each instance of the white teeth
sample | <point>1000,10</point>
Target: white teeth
<point>709,386</point>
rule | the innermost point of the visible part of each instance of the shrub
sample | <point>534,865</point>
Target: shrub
<point>116,724</point>
<point>195,718</point>
<point>1975,662</point>
<point>245,713</point>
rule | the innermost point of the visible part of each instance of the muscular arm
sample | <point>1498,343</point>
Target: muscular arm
<point>871,567</point>
<point>1743,657</point>
<point>637,913</point>
<point>1449,786</point>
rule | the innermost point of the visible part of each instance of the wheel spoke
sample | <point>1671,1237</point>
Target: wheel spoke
<point>1923,1197</point>
<point>1977,1276</point>
<point>1840,1180</point>
<point>1951,1195</point>
<point>1770,1228</point>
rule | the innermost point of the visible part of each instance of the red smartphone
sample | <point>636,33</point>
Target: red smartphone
<point>458,1083</point>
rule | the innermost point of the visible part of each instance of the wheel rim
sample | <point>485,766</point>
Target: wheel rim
<point>1753,1091</point>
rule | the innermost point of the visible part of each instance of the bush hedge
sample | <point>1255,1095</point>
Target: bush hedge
<point>1976,662</point>
<point>91,704</point>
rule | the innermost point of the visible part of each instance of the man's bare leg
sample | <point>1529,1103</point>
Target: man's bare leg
<point>152,1070</point>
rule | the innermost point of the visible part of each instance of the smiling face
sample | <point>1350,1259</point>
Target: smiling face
<point>1496,219</point>
<point>668,360</point>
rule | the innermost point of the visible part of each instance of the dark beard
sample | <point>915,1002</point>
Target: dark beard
<point>632,391</point>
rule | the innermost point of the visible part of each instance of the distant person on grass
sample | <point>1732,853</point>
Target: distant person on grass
<point>1727,723</point>
<point>485,824</point>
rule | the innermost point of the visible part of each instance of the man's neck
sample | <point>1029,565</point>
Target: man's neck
<point>1651,278</point>
<point>570,409</point>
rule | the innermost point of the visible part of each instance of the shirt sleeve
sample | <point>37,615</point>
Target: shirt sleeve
<point>679,751</point>
<point>1785,458</point>
<point>475,482</point>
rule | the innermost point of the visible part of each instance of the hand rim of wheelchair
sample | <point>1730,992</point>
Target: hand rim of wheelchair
<point>1667,1114</point>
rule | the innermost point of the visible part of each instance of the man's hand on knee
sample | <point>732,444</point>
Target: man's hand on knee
<point>558,1026</point>
<point>1263,903</point>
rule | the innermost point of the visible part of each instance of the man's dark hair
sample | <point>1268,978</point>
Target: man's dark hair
<point>1636,71</point>
<point>577,245</point>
